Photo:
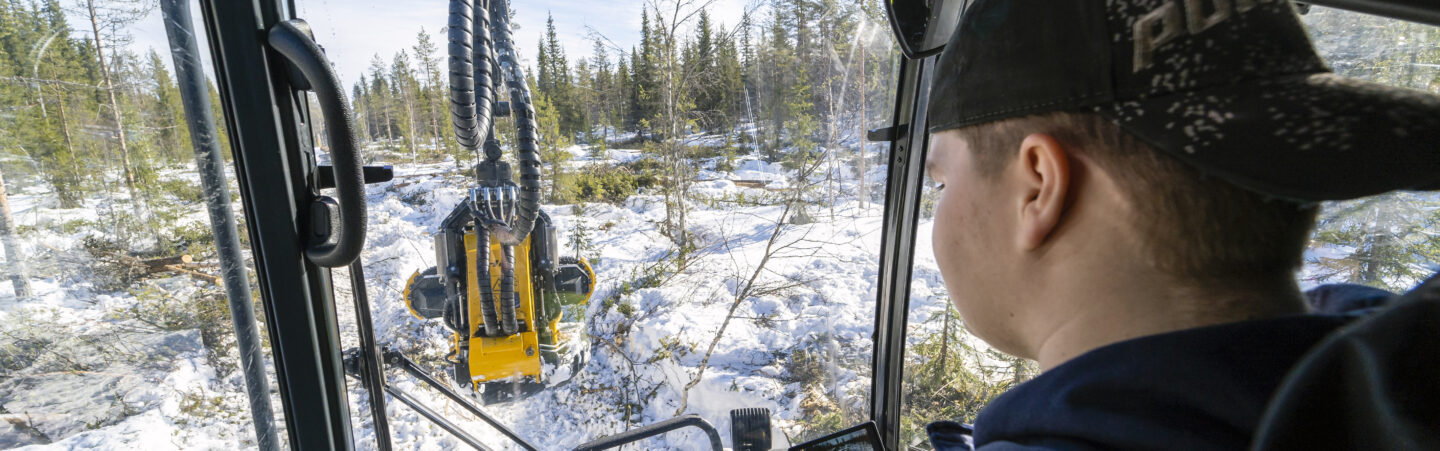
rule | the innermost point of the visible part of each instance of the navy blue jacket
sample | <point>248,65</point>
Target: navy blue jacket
<point>1203,388</point>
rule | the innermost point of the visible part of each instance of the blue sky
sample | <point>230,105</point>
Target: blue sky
<point>352,31</point>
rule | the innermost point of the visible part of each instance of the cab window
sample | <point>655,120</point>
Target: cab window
<point>1385,241</point>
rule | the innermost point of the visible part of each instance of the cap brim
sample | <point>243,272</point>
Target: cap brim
<point>1309,138</point>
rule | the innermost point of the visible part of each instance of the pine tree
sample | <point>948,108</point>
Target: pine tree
<point>1378,241</point>
<point>45,143</point>
<point>402,78</point>
<point>799,92</point>
<point>749,70</point>
<point>433,90</point>
<point>118,15</point>
<point>948,377</point>
<point>135,106</point>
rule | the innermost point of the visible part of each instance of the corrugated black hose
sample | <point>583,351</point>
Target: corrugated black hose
<point>508,302</point>
<point>476,60</point>
<point>527,158</point>
<point>483,63</point>
<point>482,281</point>
<point>527,151</point>
<point>471,92</point>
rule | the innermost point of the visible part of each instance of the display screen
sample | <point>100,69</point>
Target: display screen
<point>861,437</point>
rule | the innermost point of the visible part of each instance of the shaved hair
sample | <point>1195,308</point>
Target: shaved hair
<point>1192,226</point>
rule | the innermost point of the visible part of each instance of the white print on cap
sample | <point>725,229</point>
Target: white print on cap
<point>1169,19</point>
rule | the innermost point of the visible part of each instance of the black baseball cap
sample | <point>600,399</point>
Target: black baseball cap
<point>1231,87</point>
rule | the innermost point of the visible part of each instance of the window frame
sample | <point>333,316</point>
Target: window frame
<point>275,171</point>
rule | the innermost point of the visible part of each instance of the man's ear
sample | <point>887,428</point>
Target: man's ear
<point>1044,178</point>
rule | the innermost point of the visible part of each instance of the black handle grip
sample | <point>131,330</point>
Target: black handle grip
<point>347,232</point>
<point>371,174</point>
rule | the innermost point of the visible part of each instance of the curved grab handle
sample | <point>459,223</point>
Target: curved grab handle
<point>346,234</point>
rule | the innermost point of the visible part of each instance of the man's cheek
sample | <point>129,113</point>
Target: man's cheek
<point>942,233</point>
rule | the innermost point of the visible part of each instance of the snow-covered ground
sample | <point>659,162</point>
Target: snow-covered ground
<point>813,300</point>
<point>89,365</point>
<point>85,370</point>
<point>816,299</point>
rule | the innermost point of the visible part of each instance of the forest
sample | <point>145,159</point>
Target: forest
<point>792,80</point>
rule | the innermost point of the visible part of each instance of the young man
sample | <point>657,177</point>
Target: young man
<point>1128,187</point>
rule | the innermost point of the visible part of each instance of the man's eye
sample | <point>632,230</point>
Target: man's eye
<point>939,187</point>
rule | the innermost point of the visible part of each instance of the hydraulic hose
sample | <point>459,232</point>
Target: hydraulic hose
<point>508,302</point>
<point>462,81</point>
<point>476,60</point>
<point>483,63</point>
<point>527,151</point>
<point>492,143</point>
<point>482,281</point>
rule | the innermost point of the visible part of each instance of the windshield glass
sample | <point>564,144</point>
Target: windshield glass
<point>1386,241</point>
<point>704,159</point>
<point>715,214</point>
<point>115,326</point>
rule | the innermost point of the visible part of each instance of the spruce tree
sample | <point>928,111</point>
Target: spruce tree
<point>635,93</point>
<point>168,114</point>
<point>35,44</point>
<point>729,88</point>
<point>700,60</point>
<point>358,109</point>
<point>621,89</point>
<point>555,82</point>
<point>603,98</point>
<point>553,144</point>
<point>544,79</point>
<point>775,82</point>
<point>581,96</point>
<point>218,112</point>
<point>381,99</point>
